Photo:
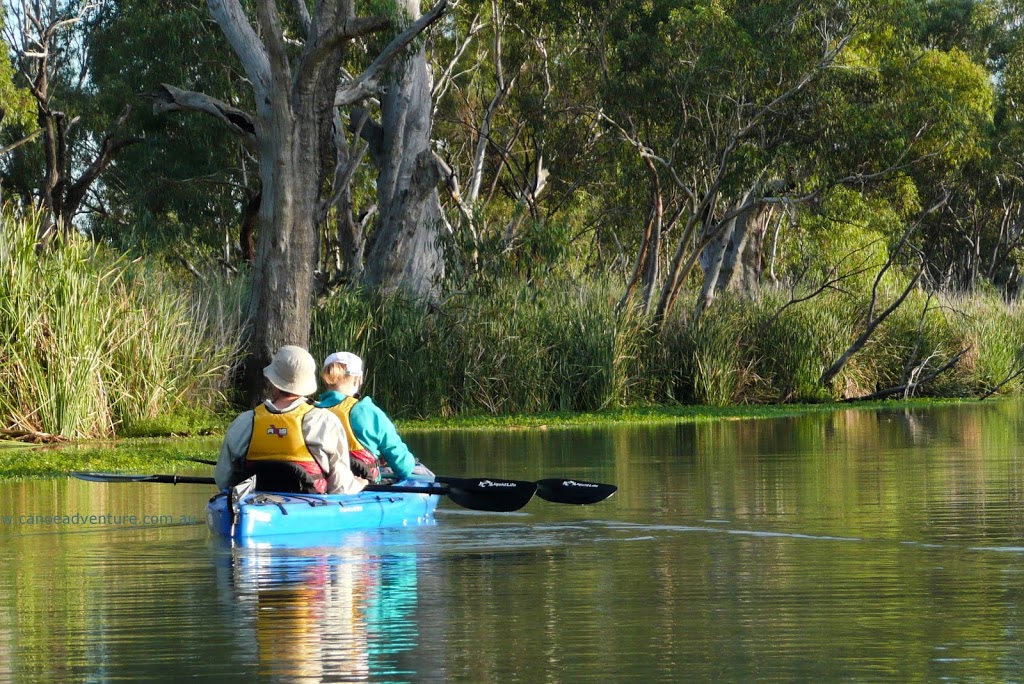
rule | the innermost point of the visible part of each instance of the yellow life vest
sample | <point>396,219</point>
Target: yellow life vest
<point>361,460</point>
<point>344,411</point>
<point>278,436</point>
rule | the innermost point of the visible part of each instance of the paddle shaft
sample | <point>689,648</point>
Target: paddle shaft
<point>186,479</point>
<point>555,490</point>
<point>479,495</point>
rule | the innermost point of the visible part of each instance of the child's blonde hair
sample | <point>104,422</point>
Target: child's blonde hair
<point>335,373</point>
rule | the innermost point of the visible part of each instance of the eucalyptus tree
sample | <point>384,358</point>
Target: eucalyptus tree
<point>519,151</point>
<point>292,55</point>
<point>183,190</point>
<point>16,103</point>
<point>745,109</point>
<point>17,124</point>
<point>48,42</point>
<point>978,240</point>
<point>706,94</point>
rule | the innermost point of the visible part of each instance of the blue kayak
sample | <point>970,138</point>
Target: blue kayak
<point>264,514</point>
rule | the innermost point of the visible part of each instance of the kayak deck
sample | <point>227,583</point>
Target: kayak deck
<point>263,514</point>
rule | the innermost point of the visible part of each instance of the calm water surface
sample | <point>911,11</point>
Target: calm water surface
<point>860,545</point>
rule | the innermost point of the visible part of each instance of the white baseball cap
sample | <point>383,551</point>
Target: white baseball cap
<point>352,363</point>
<point>292,370</point>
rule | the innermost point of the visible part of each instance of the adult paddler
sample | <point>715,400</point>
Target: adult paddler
<point>286,442</point>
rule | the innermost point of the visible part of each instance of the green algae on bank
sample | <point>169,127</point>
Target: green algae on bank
<point>168,455</point>
<point>657,414</point>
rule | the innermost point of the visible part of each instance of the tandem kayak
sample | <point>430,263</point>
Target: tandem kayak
<point>264,514</point>
<point>243,513</point>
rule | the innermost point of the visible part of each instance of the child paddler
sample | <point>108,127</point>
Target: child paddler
<point>373,440</point>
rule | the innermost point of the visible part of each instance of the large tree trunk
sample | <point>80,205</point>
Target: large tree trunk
<point>293,133</point>
<point>741,268</point>
<point>282,276</point>
<point>713,256</point>
<point>404,251</point>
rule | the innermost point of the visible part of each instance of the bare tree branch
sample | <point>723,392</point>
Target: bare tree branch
<point>302,12</point>
<point>171,99</point>
<point>365,85</point>
<point>832,279</point>
<point>322,46</point>
<point>445,79</point>
<point>872,320</point>
<point>110,147</point>
<point>15,145</point>
<point>901,389</point>
<point>232,20</point>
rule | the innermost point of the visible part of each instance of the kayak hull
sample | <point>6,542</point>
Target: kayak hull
<point>269,514</point>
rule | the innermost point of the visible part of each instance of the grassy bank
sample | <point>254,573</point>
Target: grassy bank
<point>656,415</point>
<point>93,344</point>
<point>128,456</point>
<point>171,455</point>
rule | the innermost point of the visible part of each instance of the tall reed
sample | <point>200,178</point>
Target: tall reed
<point>89,340</point>
<point>514,350</point>
<point>993,333</point>
<point>518,348</point>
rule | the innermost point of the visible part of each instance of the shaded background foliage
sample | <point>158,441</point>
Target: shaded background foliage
<point>774,173</point>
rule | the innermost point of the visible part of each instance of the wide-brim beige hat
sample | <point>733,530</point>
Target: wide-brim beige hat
<point>292,370</point>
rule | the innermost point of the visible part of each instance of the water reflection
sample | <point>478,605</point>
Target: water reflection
<point>866,545</point>
<point>324,609</point>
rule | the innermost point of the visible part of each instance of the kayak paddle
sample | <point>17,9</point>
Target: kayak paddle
<point>479,494</point>
<point>555,489</point>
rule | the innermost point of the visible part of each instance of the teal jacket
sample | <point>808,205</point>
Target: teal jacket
<point>375,431</point>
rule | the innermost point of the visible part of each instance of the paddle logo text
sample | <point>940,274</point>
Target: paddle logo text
<point>79,519</point>
<point>574,483</point>
<point>492,483</point>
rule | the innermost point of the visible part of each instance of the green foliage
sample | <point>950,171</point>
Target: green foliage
<point>185,182</point>
<point>714,361</point>
<point>994,333</point>
<point>92,340</point>
<point>130,455</point>
<point>511,350</point>
<point>792,347</point>
<point>847,231</point>
<point>17,107</point>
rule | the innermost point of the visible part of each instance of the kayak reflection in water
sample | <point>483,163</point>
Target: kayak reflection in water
<point>323,614</point>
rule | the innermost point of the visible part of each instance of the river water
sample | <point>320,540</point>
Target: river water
<point>866,545</point>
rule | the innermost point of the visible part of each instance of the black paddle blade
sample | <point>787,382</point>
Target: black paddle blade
<point>484,494</point>
<point>112,477</point>
<point>559,490</point>
<point>166,479</point>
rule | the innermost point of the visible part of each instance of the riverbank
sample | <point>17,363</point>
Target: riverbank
<point>95,344</point>
<point>152,451</point>
<point>656,415</point>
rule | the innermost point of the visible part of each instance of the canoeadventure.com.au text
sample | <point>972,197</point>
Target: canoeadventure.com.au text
<point>75,519</point>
